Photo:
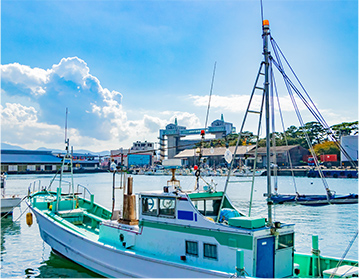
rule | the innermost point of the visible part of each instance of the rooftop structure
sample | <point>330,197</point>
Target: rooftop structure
<point>174,133</point>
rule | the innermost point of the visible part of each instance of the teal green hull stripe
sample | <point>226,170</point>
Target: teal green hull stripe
<point>224,238</point>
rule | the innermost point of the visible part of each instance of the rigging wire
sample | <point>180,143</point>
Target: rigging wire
<point>288,84</point>
<point>210,93</point>
<point>313,109</point>
<point>283,127</point>
<point>345,253</point>
<point>274,144</point>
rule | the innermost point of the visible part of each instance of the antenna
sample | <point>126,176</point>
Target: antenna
<point>66,139</point>
<point>210,93</point>
<point>262,10</point>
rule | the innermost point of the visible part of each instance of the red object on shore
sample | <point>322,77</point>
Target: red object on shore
<point>328,158</point>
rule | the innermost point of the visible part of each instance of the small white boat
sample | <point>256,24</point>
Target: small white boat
<point>246,172</point>
<point>8,202</point>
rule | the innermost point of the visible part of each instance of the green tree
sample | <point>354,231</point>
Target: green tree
<point>345,129</point>
<point>326,147</point>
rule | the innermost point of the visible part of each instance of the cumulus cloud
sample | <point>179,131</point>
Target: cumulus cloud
<point>68,84</point>
<point>20,125</point>
<point>96,118</point>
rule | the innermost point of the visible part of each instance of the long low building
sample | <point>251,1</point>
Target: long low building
<point>215,156</point>
<point>245,155</point>
<point>22,161</point>
<point>34,161</point>
<point>284,155</point>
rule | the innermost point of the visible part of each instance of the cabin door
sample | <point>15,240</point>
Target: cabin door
<point>265,257</point>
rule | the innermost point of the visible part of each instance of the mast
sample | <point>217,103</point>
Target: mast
<point>267,113</point>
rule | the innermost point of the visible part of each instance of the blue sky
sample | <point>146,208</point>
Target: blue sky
<point>126,69</point>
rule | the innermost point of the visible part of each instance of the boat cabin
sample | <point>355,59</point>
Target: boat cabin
<point>184,227</point>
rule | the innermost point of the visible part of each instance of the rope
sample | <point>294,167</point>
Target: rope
<point>5,215</point>
<point>21,214</point>
<point>345,253</point>
<point>316,252</point>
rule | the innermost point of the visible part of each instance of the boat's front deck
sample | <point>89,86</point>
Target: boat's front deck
<point>76,214</point>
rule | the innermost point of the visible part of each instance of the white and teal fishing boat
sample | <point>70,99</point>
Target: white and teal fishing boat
<point>175,233</point>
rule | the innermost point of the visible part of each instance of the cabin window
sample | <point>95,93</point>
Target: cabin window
<point>150,206</point>
<point>167,206</point>
<point>154,206</point>
<point>210,251</point>
<point>208,207</point>
<point>192,248</point>
<point>285,241</point>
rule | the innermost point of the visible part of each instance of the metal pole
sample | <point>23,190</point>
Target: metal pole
<point>266,92</point>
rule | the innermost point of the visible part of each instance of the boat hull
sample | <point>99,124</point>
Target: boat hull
<point>110,261</point>
<point>315,200</point>
<point>8,204</point>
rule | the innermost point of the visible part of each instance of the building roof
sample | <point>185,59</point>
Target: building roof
<point>277,149</point>
<point>28,157</point>
<point>218,151</point>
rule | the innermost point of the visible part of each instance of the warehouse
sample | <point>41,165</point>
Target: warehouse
<point>28,161</point>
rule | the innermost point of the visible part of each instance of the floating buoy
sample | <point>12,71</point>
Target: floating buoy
<point>29,219</point>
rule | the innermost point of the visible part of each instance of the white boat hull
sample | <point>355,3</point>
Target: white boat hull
<point>8,204</point>
<point>110,261</point>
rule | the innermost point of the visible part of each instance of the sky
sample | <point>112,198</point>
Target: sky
<point>125,69</point>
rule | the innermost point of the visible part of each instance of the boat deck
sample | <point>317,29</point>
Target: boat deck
<point>79,221</point>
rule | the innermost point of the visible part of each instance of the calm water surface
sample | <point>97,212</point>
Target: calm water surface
<point>24,254</point>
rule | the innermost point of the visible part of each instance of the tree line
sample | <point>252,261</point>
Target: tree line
<point>318,136</point>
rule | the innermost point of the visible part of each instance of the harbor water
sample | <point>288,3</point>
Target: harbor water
<point>24,254</point>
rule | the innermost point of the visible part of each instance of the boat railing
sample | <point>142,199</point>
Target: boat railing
<point>81,190</point>
<point>35,186</point>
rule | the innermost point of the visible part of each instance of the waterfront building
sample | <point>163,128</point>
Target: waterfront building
<point>284,154</point>
<point>28,161</point>
<point>350,145</point>
<point>141,154</point>
<point>83,161</point>
<point>214,157</point>
<point>172,139</point>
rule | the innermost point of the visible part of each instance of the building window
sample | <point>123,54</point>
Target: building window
<point>210,251</point>
<point>192,248</point>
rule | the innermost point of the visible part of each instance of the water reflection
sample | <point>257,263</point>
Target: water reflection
<point>58,266</point>
<point>8,228</point>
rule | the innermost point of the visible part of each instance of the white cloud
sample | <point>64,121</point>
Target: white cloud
<point>25,78</point>
<point>96,120</point>
<point>189,120</point>
<point>20,126</point>
<point>239,103</point>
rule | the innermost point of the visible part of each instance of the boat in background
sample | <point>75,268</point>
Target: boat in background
<point>246,172</point>
<point>8,202</point>
<point>315,200</point>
